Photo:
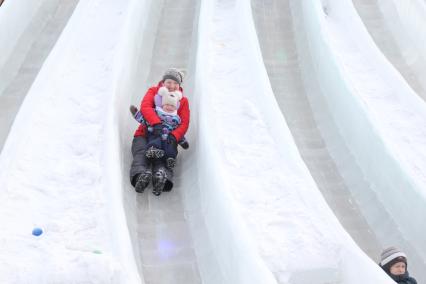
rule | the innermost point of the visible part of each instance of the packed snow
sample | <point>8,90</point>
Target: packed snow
<point>255,213</point>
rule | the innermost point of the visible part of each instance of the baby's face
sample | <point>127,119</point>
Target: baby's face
<point>398,268</point>
<point>171,85</point>
<point>169,108</point>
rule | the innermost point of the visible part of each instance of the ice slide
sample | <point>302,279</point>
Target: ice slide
<point>236,215</point>
<point>74,85</point>
<point>397,28</point>
<point>395,97</point>
<point>25,45</point>
<point>275,30</point>
<point>160,233</point>
<point>303,101</point>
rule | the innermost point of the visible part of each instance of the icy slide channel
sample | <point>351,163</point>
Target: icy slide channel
<point>398,29</point>
<point>334,167</point>
<point>375,114</point>
<point>209,190</point>
<point>225,221</point>
<point>25,46</point>
<point>160,233</point>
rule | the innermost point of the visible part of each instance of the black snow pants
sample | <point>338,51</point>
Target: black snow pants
<point>141,164</point>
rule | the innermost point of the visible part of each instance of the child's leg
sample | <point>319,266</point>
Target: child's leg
<point>170,153</point>
<point>154,147</point>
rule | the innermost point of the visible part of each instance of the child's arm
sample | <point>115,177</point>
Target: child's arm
<point>137,115</point>
<point>148,107</point>
<point>184,114</point>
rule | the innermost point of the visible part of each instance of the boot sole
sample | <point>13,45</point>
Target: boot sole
<point>159,184</point>
<point>171,163</point>
<point>143,182</point>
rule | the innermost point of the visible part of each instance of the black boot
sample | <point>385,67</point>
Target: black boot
<point>142,181</point>
<point>158,181</point>
<point>170,163</point>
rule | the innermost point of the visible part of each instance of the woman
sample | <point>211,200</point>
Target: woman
<point>144,169</point>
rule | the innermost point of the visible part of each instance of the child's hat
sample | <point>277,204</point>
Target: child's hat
<point>169,98</point>
<point>174,74</point>
<point>392,255</point>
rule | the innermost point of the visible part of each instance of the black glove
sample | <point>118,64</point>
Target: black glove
<point>172,140</point>
<point>184,144</point>
<point>157,130</point>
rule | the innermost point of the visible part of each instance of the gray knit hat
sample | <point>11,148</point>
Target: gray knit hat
<point>174,74</point>
<point>391,256</point>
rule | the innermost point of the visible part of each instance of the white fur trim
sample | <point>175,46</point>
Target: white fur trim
<point>163,91</point>
<point>178,95</point>
<point>392,257</point>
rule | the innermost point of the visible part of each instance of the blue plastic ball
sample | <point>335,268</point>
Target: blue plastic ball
<point>37,232</point>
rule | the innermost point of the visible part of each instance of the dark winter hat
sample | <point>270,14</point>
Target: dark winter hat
<point>390,256</point>
<point>174,74</point>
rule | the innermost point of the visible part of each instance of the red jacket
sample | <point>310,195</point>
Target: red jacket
<point>148,111</point>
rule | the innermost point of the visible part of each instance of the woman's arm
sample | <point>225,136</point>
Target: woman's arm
<point>184,115</point>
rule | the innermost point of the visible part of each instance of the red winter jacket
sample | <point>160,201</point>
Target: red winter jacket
<point>148,111</point>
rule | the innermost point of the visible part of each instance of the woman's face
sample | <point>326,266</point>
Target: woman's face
<point>398,268</point>
<point>171,85</point>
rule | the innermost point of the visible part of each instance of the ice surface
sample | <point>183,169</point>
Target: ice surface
<point>25,45</point>
<point>397,29</point>
<point>245,208</point>
<point>371,105</point>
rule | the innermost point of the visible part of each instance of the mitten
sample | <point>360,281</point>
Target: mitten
<point>184,144</point>
<point>137,114</point>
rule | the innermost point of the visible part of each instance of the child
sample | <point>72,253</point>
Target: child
<point>167,104</point>
<point>394,263</point>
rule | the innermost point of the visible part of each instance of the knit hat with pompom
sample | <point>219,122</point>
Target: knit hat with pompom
<point>174,74</point>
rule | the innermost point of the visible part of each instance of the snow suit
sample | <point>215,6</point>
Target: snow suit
<point>137,115</point>
<point>157,167</point>
<point>147,109</point>
<point>403,279</point>
<point>169,122</point>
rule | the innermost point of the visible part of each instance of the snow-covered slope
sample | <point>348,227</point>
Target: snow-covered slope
<point>55,167</point>
<point>24,45</point>
<point>273,204</point>
<point>397,28</point>
<point>245,206</point>
<point>294,85</point>
<point>378,116</point>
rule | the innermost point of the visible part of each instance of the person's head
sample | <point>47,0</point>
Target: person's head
<point>398,268</point>
<point>169,100</point>
<point>172,79</point>
<point>393,261</point>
